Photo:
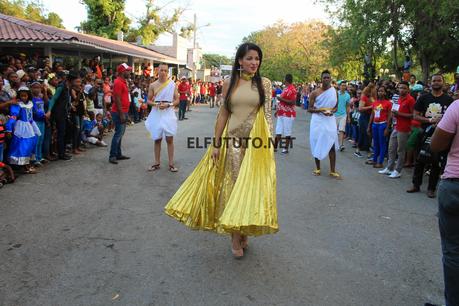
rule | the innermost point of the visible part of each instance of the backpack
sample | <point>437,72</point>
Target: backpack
<point>425,152</point>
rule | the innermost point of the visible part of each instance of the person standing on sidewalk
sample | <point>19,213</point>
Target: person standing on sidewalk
<point>380,118</point>
<point>183,89</point>
<point>342,114</point>
<point>367,98</point>
<point>212,90</point>
<point>403,113</point>
<point>120,110</point>
<point>446,136</point>
<point>428,110</point>
<point>285,114</point>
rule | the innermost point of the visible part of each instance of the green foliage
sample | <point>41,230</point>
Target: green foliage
<point>391,28</point>
<point>152,23</point>
<point>215,60</point>
<point>54,20</point>
<point>31,11</point>
<point>297,49</point>
<point>187,31</point>
<point>105,18</point>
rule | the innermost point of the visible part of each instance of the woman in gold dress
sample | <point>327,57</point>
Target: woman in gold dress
<point>233,188</point>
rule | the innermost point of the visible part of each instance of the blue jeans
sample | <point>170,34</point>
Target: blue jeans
<point>182,109</point>
<point>348,131</point>
<point>1,152</point>
<point>379,142</point>
<point>120,128</point>
<point>355,132</point>
<point>448,221</point>
<point>39,147</point>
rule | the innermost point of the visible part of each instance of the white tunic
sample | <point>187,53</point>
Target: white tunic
<point>323,132</point>
<point>162,123</point>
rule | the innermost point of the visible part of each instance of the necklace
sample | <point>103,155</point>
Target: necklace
<point>247,76</point>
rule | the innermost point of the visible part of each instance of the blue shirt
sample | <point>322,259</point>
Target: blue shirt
<point>343,101</point>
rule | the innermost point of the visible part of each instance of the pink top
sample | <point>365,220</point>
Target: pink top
<point>450,123</point>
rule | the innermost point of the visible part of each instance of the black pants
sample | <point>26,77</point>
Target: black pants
<point>448,221</point>
<point>61,126</point>
<point>364,139</point>
<point>434,176</point>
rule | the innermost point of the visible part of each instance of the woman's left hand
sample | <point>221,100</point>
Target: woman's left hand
<point>386,132</point>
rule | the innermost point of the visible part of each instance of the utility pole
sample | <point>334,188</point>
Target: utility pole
<point>195,27</point>
<point>195,53</point>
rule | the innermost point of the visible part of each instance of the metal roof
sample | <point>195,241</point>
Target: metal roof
<point>13,29</point>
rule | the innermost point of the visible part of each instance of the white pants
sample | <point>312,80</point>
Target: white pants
<point>284,126</point>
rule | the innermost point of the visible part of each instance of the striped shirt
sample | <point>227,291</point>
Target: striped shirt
<point>2,133</point>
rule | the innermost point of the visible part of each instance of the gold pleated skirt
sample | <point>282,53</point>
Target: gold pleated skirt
<point>210,199</point>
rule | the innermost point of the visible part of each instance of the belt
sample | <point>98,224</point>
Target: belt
<point>379,122</point>
<point>163,101</point>
<point>452,179</point>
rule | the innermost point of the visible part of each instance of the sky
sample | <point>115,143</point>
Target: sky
<point>230,21</point>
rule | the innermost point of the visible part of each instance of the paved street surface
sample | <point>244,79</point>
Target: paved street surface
<point>86,232</point>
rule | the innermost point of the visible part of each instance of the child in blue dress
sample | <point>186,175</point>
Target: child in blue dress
<point>23,130</point>
<point>40,101</point>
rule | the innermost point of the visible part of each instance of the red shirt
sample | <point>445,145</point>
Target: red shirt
<point>183,89</point>
<point>121,90</point>
<point>406,107</point>
<point>212,90</point>
<point>287,110</point>
<point>366,102</point>
<point>381,110</point>
<point>203,90</point>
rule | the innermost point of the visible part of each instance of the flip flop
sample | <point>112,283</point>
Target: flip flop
<point>316,172</point>
<point>172,168</point>
<point>154,167</point>
<point>336,175</point>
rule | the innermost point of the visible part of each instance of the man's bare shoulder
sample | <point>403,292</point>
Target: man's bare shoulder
<point>153,86</point>
<point>317,92</point>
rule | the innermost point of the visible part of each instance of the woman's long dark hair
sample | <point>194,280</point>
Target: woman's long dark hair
<point>256,80</point>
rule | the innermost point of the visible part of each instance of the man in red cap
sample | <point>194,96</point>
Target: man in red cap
<point>120,109</point>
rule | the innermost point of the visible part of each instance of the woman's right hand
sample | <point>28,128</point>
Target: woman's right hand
<point>215,155</point>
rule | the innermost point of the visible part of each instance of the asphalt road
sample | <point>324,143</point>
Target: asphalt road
<point>85,232</point>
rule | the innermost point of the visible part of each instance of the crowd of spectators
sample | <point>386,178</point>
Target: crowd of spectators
<point>49,112</point>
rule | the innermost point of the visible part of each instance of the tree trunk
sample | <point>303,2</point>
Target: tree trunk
<point>425,63</point>
<point>395,33</point>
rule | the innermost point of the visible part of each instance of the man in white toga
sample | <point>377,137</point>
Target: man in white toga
<point>162,122</point>
<point>323,137</point>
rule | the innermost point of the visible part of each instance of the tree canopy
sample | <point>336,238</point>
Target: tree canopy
<point>215,60</point>
<point>107,17</point>
<point>390,29</point>
<point>297,49</point>
<point>31,10</point>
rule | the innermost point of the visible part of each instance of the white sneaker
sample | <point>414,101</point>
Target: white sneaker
<point>395,174</point>
<point>385,171</point>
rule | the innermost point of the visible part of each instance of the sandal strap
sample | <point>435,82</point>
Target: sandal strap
<point>154,167</point>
